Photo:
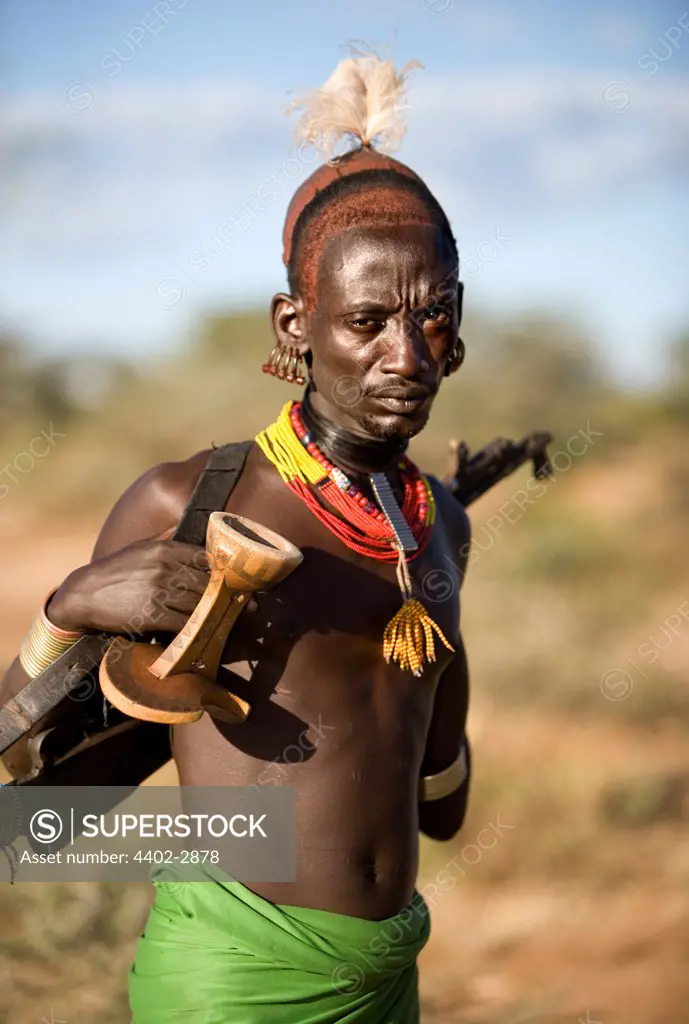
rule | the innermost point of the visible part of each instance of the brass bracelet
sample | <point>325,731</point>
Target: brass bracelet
<point>45,642</point>
<point>435,787</point>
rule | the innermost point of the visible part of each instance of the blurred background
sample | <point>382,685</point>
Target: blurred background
<point>145,169</point>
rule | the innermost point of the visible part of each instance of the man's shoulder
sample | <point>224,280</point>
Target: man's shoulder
<point>153,504</point>
<point>168,486</point>
<point>451,511</point>
<point>455,521</point>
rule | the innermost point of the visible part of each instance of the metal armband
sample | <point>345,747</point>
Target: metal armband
<point>45,642</point>
<point>435,787</point>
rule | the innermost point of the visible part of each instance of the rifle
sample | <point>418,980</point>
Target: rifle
<point>470,476</point>
<point>95,741</point>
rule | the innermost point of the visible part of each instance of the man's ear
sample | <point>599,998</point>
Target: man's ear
<point>287,315</point>
<point>456,358</point>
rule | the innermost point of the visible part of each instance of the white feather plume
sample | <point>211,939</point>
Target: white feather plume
<point>361,101</point>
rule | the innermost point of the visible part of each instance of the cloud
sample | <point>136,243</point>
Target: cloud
<point>490,22</point>
<point>549,136</point>
<point>617,31</point>
<point>120,170</point>
<point>142,166</point>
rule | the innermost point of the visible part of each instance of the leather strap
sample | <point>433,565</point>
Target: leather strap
<point>214,487</point>
<point>69,672</point>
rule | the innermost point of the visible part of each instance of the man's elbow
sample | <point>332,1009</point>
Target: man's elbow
<point>442,823</point>
<point>442,833</point>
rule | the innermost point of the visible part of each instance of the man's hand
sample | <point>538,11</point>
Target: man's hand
<point>152,585</point>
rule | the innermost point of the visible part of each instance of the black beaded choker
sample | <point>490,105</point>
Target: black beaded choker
<point>348,450</point>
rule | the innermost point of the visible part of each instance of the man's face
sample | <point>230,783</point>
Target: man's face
<point>386,320</point>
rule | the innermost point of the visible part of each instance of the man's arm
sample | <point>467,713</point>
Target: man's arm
<point>442,819</point>
<point>150,507</point>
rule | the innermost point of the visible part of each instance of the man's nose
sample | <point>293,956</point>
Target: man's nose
<point>406,351</point>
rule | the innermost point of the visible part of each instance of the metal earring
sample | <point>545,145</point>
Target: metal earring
<point>269,367</point>
<point>284,363</point>
<point>294,374</point>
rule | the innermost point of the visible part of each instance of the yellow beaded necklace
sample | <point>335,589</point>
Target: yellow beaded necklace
<point>382,533</point>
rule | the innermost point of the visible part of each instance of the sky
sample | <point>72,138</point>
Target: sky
<point>146,161</point>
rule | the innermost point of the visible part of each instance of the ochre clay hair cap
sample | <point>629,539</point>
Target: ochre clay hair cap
<point>362,103</point>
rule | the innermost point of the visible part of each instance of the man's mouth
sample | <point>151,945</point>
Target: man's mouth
<point>402,401</point>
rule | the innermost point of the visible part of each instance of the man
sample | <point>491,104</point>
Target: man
<point>326,659</point>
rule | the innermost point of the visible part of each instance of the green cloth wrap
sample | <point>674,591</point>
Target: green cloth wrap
<point>214,952</point>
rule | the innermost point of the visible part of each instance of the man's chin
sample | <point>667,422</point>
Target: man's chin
<point>385,426</point>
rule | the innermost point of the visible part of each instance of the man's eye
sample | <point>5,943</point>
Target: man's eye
<point>438,316</point>
<point>365,323</point>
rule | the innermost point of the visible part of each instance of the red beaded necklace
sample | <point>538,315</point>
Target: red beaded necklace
<point>360,524</point>
<point>409,637</point>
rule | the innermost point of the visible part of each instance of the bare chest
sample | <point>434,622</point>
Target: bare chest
<point>337,592</point>
<point>310,659</point>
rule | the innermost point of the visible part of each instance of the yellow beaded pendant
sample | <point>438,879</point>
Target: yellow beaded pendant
<point>408,638</point>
